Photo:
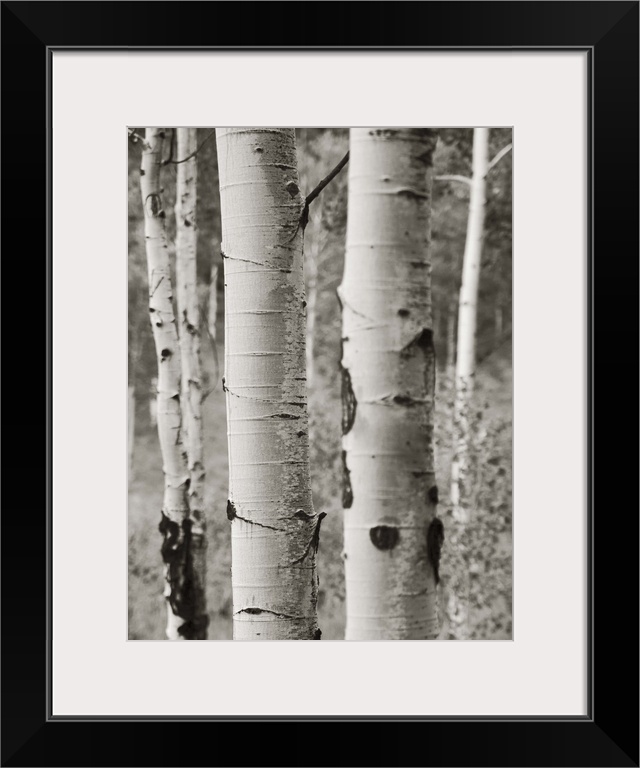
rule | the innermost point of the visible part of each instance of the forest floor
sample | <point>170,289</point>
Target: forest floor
<point>147,607</point>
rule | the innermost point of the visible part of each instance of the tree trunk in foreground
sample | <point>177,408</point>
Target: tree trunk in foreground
<point>189,314</point>
<point>182,540</point>
<point>392,535</point>
<point>467,319</point>
<point>274,535</point>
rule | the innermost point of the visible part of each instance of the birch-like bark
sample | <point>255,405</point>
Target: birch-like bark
<point>392,536</point>
<point>183,541</point>
<point>467,319</point>
<point>189,325</point>
<point>274,534</point>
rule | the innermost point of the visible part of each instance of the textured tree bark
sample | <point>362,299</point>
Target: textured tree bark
<point>392,535</point>
<point>467,318</point>
<point>183,541</point>
<point>275,530</point>
<point>189,315</point>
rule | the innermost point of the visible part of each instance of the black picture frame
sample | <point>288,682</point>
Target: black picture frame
<point>608,735</point>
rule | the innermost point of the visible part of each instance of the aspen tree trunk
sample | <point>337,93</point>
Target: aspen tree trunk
<point>182,540</point>
<point>467,318</point>
<point>189,315</point>
<point>274,534</point>
<point>388,368</point>
<point>458,602</point>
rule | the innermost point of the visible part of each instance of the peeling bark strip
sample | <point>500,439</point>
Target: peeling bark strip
<point>274,529</point>
<point>189,314</point>
<point>184,621</point>
<point>388,353</point>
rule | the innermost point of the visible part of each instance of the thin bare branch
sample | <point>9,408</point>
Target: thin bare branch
<point>499,156</point>
<point>304,218</point>
<point>193,154</point>
<point>327,179</point>
<point>462,179</point>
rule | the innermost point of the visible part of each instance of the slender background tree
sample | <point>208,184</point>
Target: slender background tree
<point>188,305</point>
<point>182,539</point>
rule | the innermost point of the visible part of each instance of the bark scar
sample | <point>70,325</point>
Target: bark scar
<point>347,491</point>
<point>258,611</point>
<point>435,540</point>
<point>314,543</point>
<point>184,592</point>
<point>384,537</point>
<point>233,515</point>
<point>349,402</point>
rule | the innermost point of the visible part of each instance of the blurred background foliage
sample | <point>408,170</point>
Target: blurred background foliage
<point>486,552</point>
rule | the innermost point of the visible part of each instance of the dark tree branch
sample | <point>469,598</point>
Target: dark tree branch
<point>193,154</point>
<point>327,179</point>
<point>304,219</point>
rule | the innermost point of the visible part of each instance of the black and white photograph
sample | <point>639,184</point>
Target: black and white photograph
<point>320,383</point>
<point>329,382</point>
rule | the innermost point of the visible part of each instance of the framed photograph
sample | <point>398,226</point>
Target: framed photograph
<point>527,114</point>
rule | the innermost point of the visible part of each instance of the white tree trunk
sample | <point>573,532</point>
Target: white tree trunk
<point>458,605</point>
<point>388,363</point>
<point>467,318</point>
<point>182,542</point>
<point>274,535</point>
<point>189,316</point>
